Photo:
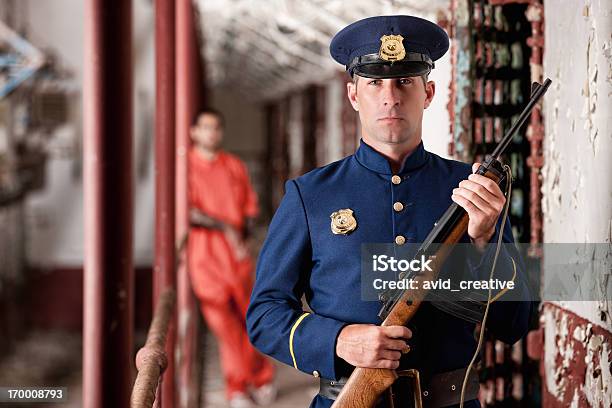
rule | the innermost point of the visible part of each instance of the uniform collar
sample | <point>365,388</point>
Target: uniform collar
<point>373,160</point>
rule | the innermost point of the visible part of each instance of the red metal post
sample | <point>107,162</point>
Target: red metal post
<point>164,275</point>
<point>189,100</point>
<point>535,131</point>
<point>108,189</point>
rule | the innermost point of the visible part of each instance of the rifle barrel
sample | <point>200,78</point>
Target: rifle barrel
<point>537,92</point>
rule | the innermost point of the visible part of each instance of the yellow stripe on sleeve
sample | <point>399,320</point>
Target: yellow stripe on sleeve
<point>295,325</point>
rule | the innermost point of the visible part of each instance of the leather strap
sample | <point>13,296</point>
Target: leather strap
<point>441,390</point>
<point>444,389</point>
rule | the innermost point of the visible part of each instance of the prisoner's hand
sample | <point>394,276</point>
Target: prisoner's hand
<point>234,238</point>
<point>370,346</point>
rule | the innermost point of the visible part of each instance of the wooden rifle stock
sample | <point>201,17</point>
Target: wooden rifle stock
<point>366,385</point>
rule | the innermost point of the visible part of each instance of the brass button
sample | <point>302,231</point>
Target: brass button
<point>316,373</point>
<point>400,240</point>
<point>396,179</point>
<point>397,206</point>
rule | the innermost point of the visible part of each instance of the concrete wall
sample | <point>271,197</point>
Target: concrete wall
<point>577,194</point>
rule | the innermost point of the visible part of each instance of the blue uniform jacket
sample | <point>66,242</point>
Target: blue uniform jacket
<point>301,256</point>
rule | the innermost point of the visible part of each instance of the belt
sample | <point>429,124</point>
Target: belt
<point>440,390</point>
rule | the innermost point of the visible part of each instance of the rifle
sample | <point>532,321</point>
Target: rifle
<point>366,385</point>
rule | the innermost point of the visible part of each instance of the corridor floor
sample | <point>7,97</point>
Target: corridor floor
<point>295,389</point>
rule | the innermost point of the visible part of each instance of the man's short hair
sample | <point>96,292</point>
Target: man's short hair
<point>209,111</point>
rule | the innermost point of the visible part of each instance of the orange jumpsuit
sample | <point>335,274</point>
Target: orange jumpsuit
<point>221,189</point>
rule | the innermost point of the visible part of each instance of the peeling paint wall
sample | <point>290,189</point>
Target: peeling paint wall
<point>577,360</point>
<point>577,174</point>
<point>577,194</point>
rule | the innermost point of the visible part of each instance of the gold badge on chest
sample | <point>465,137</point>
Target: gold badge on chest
<point>392,48</point>
<point>342,221</point>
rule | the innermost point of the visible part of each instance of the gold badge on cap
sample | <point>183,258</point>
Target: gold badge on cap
<point>342,221</point>
<point>392,48</point>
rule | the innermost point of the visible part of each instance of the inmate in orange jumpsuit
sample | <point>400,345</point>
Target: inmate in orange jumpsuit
<point>220,188</point>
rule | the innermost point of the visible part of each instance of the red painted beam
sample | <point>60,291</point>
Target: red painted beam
<point>189,100</point>
<point>165,115</point>
<point>108,203</point>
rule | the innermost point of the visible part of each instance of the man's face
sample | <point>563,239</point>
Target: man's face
<point>208,131</point>
<point>391,109</point>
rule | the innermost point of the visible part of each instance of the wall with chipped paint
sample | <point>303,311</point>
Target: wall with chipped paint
<point>577,194</point>
<point>577,172</point>
<point>578,146</point>
<point>577,360</point>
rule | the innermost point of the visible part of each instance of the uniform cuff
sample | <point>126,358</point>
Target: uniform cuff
<point>312,344</point>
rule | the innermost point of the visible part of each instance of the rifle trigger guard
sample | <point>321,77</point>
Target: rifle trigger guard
<point>416,386</point>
